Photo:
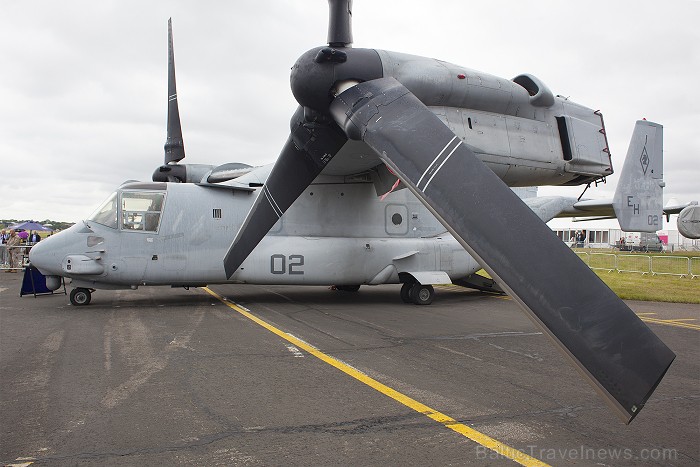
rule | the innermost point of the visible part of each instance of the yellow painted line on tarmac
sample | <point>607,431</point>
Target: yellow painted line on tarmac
<point>671,322</point>
<point>476,436</point>
<point>21,462</point>
<point>498,297</point>
<point>502,297</point>
<point>678,322</point>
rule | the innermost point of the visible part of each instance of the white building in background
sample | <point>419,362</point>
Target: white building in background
<point>594,238</point>
<point>597,237</point>
<point>606,233</point>
<point>525,191</point>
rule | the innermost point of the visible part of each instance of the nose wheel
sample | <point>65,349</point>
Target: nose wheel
<point>80,296</point>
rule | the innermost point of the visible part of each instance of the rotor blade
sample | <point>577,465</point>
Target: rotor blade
<point>339,23</point>
<point>618,353</point>
<point>174,146</point>
<point>307,151</point>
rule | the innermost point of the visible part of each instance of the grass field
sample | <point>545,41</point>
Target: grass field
<point>684,253</point>
<point>633,286</point>
<point>655,288</point>
<point>647,287</point>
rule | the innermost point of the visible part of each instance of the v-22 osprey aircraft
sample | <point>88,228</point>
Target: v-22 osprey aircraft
<point>397,170</point>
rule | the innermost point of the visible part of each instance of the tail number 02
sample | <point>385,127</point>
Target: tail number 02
<point>280,264</point>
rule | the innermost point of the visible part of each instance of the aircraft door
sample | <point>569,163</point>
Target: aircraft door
<point>446,256</point>
<point>140,213</point>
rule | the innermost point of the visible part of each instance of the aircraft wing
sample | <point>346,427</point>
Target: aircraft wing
<point>550,207</point>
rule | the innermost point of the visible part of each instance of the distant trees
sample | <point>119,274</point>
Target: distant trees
<point>56,225</point>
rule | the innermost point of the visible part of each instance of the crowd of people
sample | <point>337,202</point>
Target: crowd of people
<point>14,247</point>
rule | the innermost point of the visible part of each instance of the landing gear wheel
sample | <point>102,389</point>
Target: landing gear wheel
<point>422,294</point>
<point>80,296</point>
<point>406,292</point>
<point>348,288</point>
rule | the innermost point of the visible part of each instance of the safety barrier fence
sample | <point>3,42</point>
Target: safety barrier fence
<point>681,266</point>
<point>21,256</point>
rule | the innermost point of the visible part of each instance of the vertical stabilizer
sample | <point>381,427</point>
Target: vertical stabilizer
<point>638,200</point>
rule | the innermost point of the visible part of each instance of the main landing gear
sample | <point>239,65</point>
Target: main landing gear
<point>411,292</point>
<point>81,296</point>
<point>419,294</point>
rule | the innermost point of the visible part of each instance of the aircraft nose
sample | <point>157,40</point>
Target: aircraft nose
<point>45,255</point>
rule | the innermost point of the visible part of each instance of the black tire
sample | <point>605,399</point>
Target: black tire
<point>80,296</point>
<point>422,294</point>
<point>348,288</point>
<point>406,292</point>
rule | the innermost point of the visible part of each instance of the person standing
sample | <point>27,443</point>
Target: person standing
<point>14,253</point>
<point>34,238</point>
<point>3,248</point>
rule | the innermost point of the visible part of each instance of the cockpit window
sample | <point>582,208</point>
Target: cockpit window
<point>140,210</point>
<point>106,214</point>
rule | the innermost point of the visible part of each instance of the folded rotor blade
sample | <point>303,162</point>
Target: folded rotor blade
<point>307,151</point>
<point>339,23</point>
<point>619,354</point>
<point>174,145</point>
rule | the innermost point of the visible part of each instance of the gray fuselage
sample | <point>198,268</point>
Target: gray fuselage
<point>338,232</point>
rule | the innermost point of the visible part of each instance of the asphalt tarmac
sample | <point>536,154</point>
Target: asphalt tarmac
<point>311,376</point>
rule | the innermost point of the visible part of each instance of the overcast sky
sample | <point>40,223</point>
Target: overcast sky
<point>83,86</point>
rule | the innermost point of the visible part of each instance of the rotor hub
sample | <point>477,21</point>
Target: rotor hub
<point>315,74</point>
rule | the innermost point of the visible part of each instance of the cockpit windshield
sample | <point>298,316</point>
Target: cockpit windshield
<point>106,214</point>
<point>140,210</point>
<point>131,210</point>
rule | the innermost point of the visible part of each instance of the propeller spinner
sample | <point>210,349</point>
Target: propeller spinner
<point>343,94</point>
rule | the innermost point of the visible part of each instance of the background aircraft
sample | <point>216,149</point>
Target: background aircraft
<point>373,122</point>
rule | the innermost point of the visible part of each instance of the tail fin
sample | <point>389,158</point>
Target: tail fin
<point>638,201</point>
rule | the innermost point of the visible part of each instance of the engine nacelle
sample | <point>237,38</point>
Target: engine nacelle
<point>182,173</point>
<point>689,221</point>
